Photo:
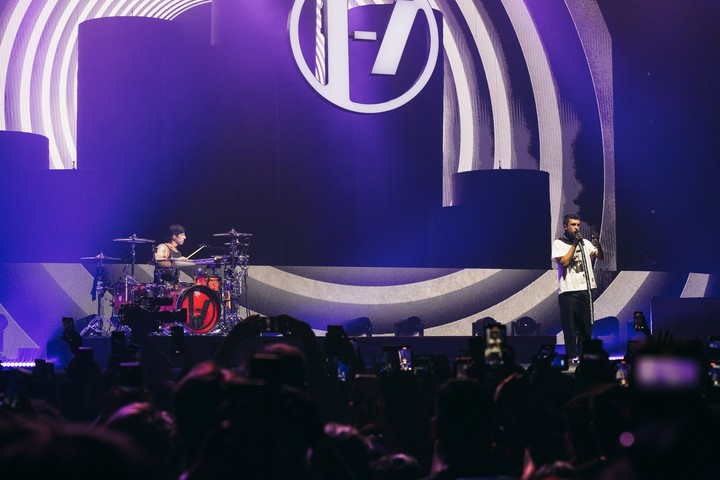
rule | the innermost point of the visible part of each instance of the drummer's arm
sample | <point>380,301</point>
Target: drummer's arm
<point>162,252</point>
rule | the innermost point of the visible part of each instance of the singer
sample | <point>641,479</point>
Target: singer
<point>576,280</point>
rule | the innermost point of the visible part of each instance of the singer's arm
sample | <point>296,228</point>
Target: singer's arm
<point>567,258</point>
<point>599,253</point>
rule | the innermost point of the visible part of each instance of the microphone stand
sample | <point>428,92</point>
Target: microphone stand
<point>587,265</point>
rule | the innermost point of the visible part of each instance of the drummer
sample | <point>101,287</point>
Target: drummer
<point>165,271</point>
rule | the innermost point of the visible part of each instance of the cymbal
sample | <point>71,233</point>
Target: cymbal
<point>100,256</point>
<point>210,261</point>
<point>232,233</point>
<point>175,263</point>
<point>133,239</point>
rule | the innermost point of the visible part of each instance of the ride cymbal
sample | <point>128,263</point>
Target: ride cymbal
<point>100,256</point>
<point>133,239</point>
<point>232,233</point>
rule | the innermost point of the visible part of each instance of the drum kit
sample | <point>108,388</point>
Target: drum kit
<point>210,305</point>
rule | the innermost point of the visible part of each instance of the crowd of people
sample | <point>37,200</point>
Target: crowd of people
<point>284,411</point>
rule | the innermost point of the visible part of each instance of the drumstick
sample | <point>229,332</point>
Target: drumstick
<point>201,247</point>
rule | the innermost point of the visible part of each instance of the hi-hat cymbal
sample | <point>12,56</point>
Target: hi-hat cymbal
<point>133,239</point>
<point>100,256</point>
<point>232,233</point>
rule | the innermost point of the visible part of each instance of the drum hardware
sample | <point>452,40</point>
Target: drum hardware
<point>134,291</point>
<point>234,234</point>
<point>99,324</point>
<point>212,261</point>
<point>234,275</point>
<point>175,263</point>
<point>149,315</point>
<point>133,240</point>
<point>100,257</point>
<point>129,288</point>
<point>180,263</point>
<point>129,291</point>
<point>210,305</point>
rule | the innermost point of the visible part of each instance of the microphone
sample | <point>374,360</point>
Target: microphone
<point>579,238</point>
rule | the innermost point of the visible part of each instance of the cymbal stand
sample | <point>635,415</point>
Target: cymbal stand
<point>235,276</point>
<point>132,260</point>
<point>129,283</point>
<point>129,280</point>
<point>98,323</point>
<point>156,270</point>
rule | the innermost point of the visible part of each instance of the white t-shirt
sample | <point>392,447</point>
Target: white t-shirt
<point>572,277</point>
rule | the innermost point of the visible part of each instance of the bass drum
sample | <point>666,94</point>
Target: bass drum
<point>202,305</point>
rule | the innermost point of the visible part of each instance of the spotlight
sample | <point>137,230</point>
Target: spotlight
<point>525,327</point>
<point>478,326</point>
<point>410,327</point>
<point>358,327</point>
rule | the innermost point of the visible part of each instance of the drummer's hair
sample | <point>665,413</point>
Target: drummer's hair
<point>175,229</point>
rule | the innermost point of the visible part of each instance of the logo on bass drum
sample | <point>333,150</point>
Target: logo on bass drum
<point>332,38</point>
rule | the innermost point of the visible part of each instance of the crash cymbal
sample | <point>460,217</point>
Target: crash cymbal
<point>100,256</point>
<point>133,239</point>
<point>232,233</point>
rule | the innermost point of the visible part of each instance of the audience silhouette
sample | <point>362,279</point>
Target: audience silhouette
<point>282,406</point>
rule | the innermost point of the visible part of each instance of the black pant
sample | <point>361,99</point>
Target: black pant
<point>575,320</point>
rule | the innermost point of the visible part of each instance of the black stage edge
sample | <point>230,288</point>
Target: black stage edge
<point>204,347</point>
<point>686,318</point>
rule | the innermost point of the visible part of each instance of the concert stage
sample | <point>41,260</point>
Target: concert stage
<point>448,302</point>
<point>204,347</point>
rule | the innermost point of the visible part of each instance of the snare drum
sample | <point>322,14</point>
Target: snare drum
<point>202,304</point>
<point>211,281</point>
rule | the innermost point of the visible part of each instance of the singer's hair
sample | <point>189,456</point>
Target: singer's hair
<point>570,216</point>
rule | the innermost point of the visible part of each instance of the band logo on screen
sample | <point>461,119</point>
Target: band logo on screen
<point>332,48</point>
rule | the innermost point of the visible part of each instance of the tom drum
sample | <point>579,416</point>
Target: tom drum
<point>210,281</point>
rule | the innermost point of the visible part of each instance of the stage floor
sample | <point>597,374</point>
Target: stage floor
<point>36,296</point>
<point>204,347</point>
